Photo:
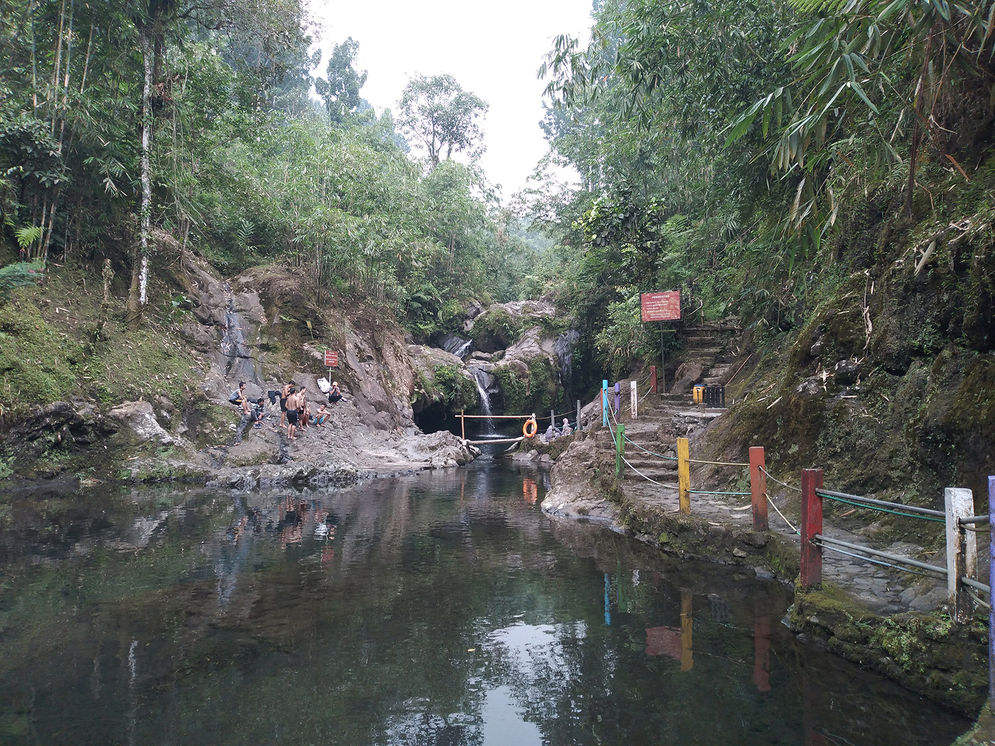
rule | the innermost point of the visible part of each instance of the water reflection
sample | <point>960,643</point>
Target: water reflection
<point>441,608</point>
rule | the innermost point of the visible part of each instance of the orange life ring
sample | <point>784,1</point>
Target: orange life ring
<point>529,428</point>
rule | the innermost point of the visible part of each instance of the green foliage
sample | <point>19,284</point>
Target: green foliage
<point>340,90</point>
<point>27,235</point>
<point>37,363</point>
<point>442,117</point>
<point>18,275</point>
<point>495,329</point>
<point>455,389</point>
<point>535,391</point>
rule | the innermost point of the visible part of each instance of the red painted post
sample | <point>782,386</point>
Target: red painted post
<point>811,555</point>
<point>761,645</point>
<point>991,614</point>
<point>758,488</point>
<point>653,379</point>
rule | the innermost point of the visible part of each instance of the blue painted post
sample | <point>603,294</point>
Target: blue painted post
<point>991,614</point>
<point>618,398</point>
<point>604,403</point>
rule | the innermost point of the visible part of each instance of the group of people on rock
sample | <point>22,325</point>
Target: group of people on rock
<point>552,433</point>
<point>296,413</point>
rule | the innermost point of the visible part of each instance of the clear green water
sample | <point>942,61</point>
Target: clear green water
<point>441,608</point>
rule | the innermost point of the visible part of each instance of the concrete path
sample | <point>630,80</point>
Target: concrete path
<point>651,480</point>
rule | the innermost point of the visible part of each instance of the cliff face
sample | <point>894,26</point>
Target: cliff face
<point>153,403</point>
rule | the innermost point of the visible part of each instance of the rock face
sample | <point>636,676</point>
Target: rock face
<point>139,418</point>
<point>526,364</point>
<point>259,328</point>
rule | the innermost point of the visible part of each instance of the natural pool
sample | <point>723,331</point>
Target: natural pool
<point>439,608</point>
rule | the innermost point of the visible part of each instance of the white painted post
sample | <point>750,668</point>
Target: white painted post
<point>962,550</point>
<point>634,396</point>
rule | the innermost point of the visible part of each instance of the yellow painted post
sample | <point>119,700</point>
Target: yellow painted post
<point>684,474</point>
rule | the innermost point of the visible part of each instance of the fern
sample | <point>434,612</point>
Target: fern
<point>27,235</point>
<point>18,275</point>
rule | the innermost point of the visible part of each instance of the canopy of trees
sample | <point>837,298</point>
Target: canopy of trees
<point>725,147</point>
<point>120,118</point>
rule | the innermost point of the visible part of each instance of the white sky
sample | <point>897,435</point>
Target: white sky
<point>492,49</point>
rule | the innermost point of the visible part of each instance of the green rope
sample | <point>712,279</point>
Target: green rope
<point>883,510</point>
<point>706,492</point>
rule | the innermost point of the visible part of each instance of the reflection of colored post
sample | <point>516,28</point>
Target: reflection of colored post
<point>814,714</point>
<point>618,398</point>
<point>811,555</point>
<point>761,645</point>
<point>684,475</point>
<point>758,488</point>
<point>608,607</point>
<point>991,613</point>
<point>653,378</point>
<point>619,449</point>
<point>604,403</point>
<point>687,630</point>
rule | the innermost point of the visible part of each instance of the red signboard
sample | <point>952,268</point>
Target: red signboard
<point>664,306</point>
<point>332,358</point>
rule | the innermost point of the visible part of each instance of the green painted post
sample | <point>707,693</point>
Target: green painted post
<point>619,449</point>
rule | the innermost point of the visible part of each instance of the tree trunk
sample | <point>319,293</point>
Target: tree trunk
<point>138,294</point>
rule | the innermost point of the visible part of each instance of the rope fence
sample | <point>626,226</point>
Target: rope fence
<point>965,591</point>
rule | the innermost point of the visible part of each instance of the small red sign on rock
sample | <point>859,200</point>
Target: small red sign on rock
<point>331,358</point>
<point>665,306</point>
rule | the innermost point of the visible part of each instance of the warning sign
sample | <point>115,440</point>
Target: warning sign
<point>331,358</point>
<point>665,306</point>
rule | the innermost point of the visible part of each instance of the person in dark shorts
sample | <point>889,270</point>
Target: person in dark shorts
<point>292,413</point>
<point>284,393</point>
<point>334,395</point>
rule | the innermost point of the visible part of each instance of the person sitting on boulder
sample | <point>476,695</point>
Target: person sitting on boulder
<point>258,411</point>
<point>238,399</point>
<point>550,435</point>
<point>319,418</point>
<point>565,430</point>
<point>334,394</point>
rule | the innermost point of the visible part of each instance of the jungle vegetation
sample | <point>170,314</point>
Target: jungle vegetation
<point>203,119</point>
<point>736,151</point>
<point>755,155</point>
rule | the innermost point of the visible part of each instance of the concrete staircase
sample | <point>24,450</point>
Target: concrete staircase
<point>706,349</point>
<point>651,445</point>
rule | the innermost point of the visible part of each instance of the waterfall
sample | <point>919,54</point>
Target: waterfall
<point>456,345</point>
<point>240,364</point>
<point>481,377</point>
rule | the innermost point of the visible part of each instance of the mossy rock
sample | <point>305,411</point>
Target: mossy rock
<point>531,386</point>
<point>495,330</point>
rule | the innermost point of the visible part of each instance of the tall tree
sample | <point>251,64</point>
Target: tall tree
<point>340,90</point>
<point>443,117</point>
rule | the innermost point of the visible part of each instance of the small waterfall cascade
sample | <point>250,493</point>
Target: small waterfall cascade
<point>482,379</point>
<point>456,345</point>
<point>240,365</point>
<point>564,348</point>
